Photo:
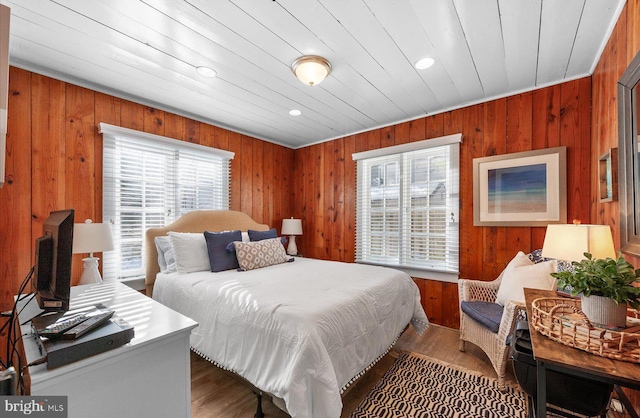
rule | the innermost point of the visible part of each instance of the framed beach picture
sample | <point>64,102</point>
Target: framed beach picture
<point>520,189</point>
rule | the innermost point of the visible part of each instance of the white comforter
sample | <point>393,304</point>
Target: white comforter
<point>300,331</point>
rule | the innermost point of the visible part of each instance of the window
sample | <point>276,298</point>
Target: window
<point>407,206</point>
<point>149,181</point>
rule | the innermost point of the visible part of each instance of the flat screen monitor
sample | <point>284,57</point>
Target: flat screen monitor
<point>51,282</point>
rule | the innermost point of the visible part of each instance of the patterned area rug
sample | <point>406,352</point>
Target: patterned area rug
<point>417,386</point>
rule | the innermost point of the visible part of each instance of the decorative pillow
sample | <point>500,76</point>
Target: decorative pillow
<point>536,257</point>
<point>260,235</point>
<point>190,250</point>
<point>219,258</point>
<point>258,254</point>
<point>166,257</point>
<point>520,259</point>
<point>535,276</point>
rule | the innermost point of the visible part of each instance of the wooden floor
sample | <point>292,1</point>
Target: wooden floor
<point>219,394</point>
<point>216,393</point>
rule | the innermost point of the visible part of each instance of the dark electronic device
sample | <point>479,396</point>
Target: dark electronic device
<point>8,382</point>
<point>52,274</point>
<point>113,334</point>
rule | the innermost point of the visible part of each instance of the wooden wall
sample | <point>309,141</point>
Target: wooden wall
<point>324,180</point>
<point>622,47</point>
<point>54,161</point>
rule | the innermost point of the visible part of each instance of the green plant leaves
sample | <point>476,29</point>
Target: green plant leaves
<point>602,277</point>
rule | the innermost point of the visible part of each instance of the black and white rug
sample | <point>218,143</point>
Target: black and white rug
<point>417,386</point>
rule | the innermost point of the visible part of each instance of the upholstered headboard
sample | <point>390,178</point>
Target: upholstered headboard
<point>196,221</point>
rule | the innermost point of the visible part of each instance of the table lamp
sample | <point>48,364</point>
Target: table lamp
<point>570,241</point>
<point>91,237</point>
<point>292,227</point>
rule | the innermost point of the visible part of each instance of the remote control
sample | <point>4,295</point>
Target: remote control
<point>92,322</point>
<point>58,328</point>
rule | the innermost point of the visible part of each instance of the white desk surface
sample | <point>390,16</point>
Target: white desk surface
<point>152,322</point>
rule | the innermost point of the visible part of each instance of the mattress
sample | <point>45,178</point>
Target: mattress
<point>302,330</point>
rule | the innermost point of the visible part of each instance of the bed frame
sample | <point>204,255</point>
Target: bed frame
<point>195,221</point>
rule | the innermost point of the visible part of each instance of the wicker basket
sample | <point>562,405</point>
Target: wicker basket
<point>561,320</point>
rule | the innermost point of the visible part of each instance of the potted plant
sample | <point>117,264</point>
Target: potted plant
<point>605,286</point>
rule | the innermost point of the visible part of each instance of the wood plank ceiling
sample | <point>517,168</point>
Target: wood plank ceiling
<point>147,51</point>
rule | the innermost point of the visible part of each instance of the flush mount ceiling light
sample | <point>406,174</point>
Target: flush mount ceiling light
<point>295,112</point>
<point>311,69</point>
<point>424,63</point>
<point>206,72</point>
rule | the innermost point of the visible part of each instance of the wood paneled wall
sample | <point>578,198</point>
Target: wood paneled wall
<point>54,161</point>
<point>324,180</point>
<point>622,47</point>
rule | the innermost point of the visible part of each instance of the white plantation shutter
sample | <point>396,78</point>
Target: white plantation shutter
<point>407,207</point>
<point>149,181</point>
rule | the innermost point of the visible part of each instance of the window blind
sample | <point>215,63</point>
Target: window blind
<point>149,181</point>
<point>407,205</point>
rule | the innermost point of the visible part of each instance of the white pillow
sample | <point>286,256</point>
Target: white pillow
<point>245,236</point>
<point>515,279</point>
<point>190,250</point>
<point>520,259</point>
<point>166,258</point>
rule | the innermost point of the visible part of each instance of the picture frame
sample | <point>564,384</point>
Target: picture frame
<point>608,176</point>
<point>520,189</point>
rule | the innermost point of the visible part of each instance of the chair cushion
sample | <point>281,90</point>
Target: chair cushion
<point>488,314</point>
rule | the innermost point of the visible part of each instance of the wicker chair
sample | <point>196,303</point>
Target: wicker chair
<point>493,344</point>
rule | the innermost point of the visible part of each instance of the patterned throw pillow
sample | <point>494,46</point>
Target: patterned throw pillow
<point>536,257</point>
<point>258,254</point>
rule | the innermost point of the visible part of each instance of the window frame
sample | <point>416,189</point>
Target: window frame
<point>407,155</point>
<point>171,151</point>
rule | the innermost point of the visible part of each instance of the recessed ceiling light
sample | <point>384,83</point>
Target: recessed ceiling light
<point>206,71</point>
<point>424,63</point>
<point>295,112</point>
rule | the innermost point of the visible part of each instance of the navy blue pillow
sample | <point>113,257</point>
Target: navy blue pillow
<point>260,235</point>
<point>219,258</point>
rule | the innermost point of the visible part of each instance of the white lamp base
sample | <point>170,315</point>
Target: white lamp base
<point>90,272</point>
<point>292,248</point>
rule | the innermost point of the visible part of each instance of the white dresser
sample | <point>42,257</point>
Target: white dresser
<point>148,377</point>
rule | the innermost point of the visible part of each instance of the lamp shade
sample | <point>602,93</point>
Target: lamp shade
<point>570,242</point>
<point>311,69</point>
<point>89,237</point>
<point>291,226</point>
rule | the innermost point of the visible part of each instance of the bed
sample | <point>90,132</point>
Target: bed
<point>301,330</point>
